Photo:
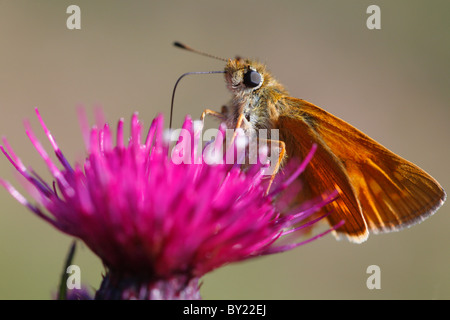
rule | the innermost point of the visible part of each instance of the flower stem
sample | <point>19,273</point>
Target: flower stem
<point>130,287</point>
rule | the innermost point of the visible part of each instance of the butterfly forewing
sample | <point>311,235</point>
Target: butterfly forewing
<point>379,191</point>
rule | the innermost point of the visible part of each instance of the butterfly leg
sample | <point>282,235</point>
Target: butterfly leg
<point>282,153</point>
<point>212,113</point>
<point>281,146</point>
<point>238,125</point>
<point>222,116</point>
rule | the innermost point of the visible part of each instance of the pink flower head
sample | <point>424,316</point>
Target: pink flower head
<point>157,224</point>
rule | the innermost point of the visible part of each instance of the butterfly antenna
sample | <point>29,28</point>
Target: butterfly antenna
<point>186,47</point>
<point>176,84</point>
<point>183,46</point>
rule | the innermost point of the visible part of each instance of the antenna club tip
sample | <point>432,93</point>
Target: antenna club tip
<point>179,45</point>
<point>183,46</point>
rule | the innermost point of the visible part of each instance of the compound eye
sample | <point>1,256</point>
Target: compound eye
<point>252,79</point>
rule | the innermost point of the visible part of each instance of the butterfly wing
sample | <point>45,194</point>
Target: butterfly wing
<point>379,191</point>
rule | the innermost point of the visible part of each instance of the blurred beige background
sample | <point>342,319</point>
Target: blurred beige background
<point>391,83</point>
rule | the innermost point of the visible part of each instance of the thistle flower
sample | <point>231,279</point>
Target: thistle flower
<point>157,225</point>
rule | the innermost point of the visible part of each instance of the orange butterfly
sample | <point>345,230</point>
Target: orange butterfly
<point>378,190</point>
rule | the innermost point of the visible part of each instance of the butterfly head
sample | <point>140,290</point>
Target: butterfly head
<point>245,77</point>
